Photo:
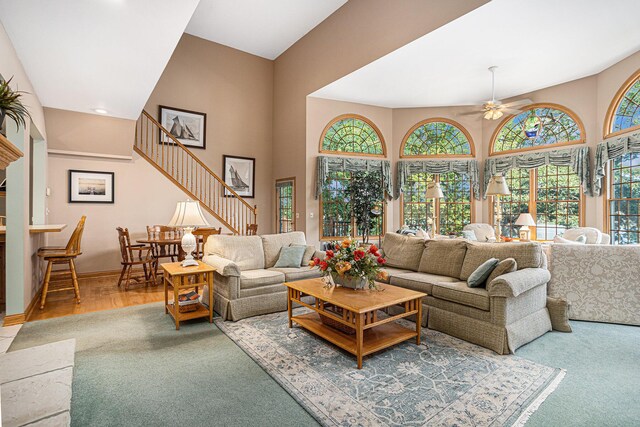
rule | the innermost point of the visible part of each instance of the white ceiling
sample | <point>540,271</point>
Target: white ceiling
<point>536,44</point>
<point>109,54</point>
<point>261,27</point>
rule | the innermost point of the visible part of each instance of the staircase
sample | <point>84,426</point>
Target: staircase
<point>155,144</point>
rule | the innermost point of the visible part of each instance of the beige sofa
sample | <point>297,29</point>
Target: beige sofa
<point>510,312</point>
<point>246,282</point>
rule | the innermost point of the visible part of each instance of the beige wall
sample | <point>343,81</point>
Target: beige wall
<point>89,133</point>
<point>355,35</point>
<point>235,89</point>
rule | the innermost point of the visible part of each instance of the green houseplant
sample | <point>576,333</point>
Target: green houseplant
<point>11,105</point>
<point>365,190</point>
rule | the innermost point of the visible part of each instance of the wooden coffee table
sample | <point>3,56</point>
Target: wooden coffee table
<point>359,311</point>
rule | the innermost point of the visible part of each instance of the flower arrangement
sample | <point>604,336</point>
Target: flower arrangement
<point>350,263</point>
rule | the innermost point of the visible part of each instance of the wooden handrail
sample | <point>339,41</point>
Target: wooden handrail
<point>169,156</point>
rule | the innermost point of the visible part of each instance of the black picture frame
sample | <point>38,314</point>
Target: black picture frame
<point>79,195</point>
<point>185,120</point>
<point>242,166</point>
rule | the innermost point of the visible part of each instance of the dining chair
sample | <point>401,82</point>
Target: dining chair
<point>202,236</point>
<point>159,250</point>
<point>62,255</point>
<point>134,255</point>
<point>252,229</point>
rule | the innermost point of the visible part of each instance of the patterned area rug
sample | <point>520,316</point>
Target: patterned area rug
<point>444,382</point>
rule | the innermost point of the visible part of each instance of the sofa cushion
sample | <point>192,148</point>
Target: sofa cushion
<point>505,266</point>
<point>460,293</point>
<point>527,255</point>
<point>255,278</point>
<point>299,273</point>
<point>479,276</point>
<point>443,257</point>
<point>421,282</point>
<point>392,271</point>
<point>290,256</point>
<point>273,242</point>
<point>309,251</point>
<point>402,251</point>
<point>245,251</point>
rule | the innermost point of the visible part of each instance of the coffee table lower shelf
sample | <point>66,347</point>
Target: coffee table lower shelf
<point>374,339</point>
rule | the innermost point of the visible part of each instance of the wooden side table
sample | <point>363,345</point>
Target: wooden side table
<point>180,278</point>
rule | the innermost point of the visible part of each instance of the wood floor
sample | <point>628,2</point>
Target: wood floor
<point>96,294</point>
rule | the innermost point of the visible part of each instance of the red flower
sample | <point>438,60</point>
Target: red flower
<point>358,255</point>
<point>373,249</point>
<point>316,260</point>
<point>329,254</point>
<point>323,265</point>
<point>376,254</point>
<point>381,260</point>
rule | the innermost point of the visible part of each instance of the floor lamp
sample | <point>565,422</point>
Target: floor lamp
<point>498,187</point>
<point>434,191</point>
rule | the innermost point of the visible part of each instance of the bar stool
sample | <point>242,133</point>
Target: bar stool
<point>63,255</point>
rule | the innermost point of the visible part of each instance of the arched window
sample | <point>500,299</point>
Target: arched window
<point>352,134</point>
<point>437,138</point>
<point>624,111</point>
<point>540,126</point>
<point>623,186</point>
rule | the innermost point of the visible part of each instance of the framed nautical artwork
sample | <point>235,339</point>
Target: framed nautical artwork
<point>239,173</point>
<point>188,127</point>
<point>91,186</point>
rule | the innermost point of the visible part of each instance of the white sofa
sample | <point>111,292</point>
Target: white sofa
<point>593,235</point>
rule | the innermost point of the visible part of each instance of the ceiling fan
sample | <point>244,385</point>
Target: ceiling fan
<point>494,109</point>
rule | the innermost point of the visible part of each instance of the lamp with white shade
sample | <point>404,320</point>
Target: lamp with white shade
<point>498,187</point>
<point>434,191</point>
<point>188,215</point>
<point>526,221</point>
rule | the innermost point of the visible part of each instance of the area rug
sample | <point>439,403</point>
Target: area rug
<point>445,381</point>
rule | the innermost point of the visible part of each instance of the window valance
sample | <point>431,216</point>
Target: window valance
<point>577,158</point>
<point>407,168</point>
<point>328,164</point>
<point>611,149</point>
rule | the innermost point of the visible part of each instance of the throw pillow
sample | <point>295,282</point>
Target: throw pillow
<point>559,314</point>
<point>505,266</point>
<point>478,278</point>
<point>308,254</point>
<point>422,234</point>
<point>581,239</point>
<point>290,257</point>
<point>469,235</point>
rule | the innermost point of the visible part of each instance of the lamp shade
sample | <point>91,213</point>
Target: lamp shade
<point>434,191</point>
<point>498,186</point>
<point>188,214</point>
<point>525,219</point>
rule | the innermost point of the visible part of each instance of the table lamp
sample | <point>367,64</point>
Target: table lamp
<point>188,215</point>
<point>526,221</point>
<point>434,191</point>
<point>498,187</point>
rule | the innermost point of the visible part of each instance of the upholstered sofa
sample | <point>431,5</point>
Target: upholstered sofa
<point>246,281</point>
<point>506,314</point>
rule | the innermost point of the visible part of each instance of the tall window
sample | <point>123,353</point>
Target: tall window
<point>285,205</point>
<point>437,138</point>
<point>355,135</point>
<point>540,126</point>
<point>624,199</point>
<point>551,194</point>
<point>352,134</point>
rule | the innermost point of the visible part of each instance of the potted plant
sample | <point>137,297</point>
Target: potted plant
<point>11,104</point>
<point>352,266</point>
<point>365,190</point>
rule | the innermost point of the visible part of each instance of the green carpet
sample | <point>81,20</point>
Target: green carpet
<point>133,368</point>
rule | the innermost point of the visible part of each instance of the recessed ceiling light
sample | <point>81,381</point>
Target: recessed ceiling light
<point>100,111</point>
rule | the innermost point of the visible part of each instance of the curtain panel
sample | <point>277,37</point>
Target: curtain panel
<point>611,149</point>
<point>406,168</point>
<point>328,164</point>
<point>577,158</point>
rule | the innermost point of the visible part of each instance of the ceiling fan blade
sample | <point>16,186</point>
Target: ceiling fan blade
<point>510,110</point>
<point>518,103</point>
<point>470,113</point>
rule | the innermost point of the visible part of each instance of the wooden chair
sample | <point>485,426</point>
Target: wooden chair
<point>171,251</point>
<point>63,255</point>
<point>204,233</point>
<point>252,229</point>
<point>133,255</point>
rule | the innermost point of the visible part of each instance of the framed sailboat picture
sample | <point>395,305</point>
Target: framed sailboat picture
<point>240,174</point>
<point>188,127</point>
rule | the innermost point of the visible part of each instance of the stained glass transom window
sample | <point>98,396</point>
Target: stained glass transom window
<point>352,135</point>
<point>537,127</point>
<point>627,113</point>
<point>433,138</point>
